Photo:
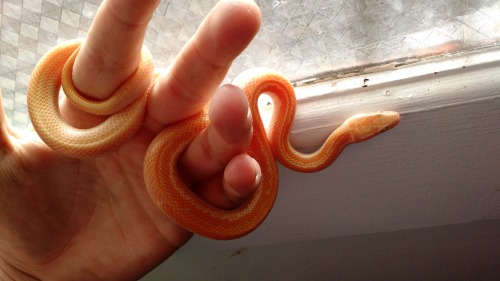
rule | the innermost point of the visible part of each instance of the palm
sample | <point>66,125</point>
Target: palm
<point>95,208</point>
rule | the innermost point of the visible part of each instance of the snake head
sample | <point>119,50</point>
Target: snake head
<point>367,125</point>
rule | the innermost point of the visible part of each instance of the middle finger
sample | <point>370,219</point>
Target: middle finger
<point>203,63</point>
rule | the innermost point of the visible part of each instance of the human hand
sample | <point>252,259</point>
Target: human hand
<point>63,218</point>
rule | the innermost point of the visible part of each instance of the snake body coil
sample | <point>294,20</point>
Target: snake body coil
<point>162,179</point>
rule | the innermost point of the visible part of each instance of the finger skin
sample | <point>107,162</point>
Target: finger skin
<point>239,180</point>
<point>119,26</point>
<point>215,161</point>
<point>203,63</point>
<point>228,135</point>
<point>241,177</point>
<point>6,145</point>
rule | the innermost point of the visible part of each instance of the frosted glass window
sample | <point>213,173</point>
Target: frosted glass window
<point>300,38</point>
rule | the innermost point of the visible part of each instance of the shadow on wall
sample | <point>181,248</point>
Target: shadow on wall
<point>456,252</point>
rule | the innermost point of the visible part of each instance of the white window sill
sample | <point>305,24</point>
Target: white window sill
<point>438,167</point>
<point>418,87</point>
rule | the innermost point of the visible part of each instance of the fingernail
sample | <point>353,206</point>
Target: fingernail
<point>249,116</point>
<point>258,175</point>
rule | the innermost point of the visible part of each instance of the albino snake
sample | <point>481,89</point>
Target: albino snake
<point>163,182</point>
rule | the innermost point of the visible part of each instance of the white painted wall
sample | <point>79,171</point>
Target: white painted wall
<point>419,202</point>
<point>458,252</point>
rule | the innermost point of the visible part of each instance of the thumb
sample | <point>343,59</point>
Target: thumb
<point>6,132</point>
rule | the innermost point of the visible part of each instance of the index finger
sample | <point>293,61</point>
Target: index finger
<point>109,55</point>
<point>112,49</point>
